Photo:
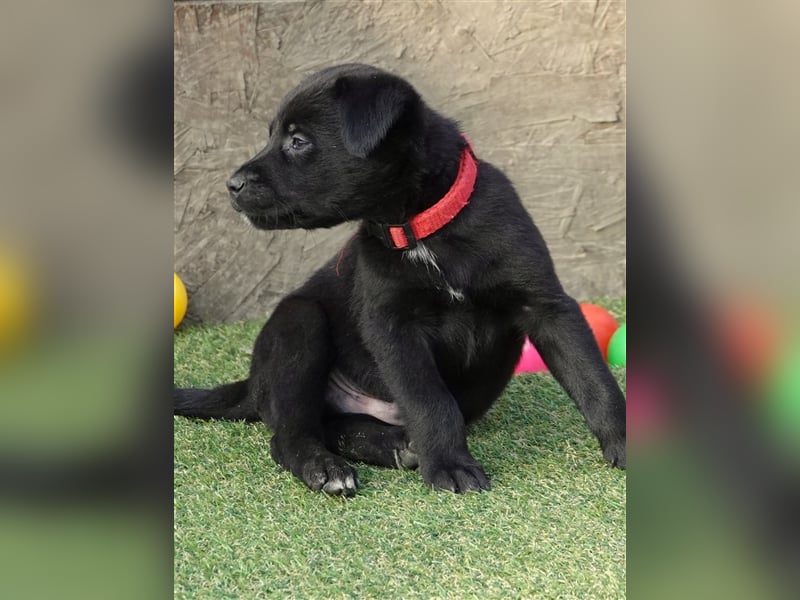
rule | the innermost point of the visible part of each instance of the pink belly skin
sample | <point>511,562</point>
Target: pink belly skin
<point>344,397</point>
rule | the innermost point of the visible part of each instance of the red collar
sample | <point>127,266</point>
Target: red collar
<point>431,220</point>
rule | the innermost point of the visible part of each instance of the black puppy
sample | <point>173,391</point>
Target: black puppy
<point>415,327</point>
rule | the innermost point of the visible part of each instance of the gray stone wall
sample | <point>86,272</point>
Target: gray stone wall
<point>539,87</point>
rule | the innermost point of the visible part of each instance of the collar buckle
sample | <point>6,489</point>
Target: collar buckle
<point>384,232</point>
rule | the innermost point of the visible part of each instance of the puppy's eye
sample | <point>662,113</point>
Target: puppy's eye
<point>297,143</point>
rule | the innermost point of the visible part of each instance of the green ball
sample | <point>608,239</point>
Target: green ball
<point>616,347</point>
<point>784,394</point>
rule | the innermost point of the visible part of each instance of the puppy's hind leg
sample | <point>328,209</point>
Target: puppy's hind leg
<point>366,439</point>
<point>288,378</point>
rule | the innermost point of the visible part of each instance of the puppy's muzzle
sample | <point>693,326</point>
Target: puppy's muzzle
<point>236,185</point>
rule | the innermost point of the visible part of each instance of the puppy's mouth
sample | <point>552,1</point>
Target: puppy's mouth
<point>295,219</point>
<point>288,220</point>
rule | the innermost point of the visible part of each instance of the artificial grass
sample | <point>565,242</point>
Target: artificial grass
<point>553,526</point>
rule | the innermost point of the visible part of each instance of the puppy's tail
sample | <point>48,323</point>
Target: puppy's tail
<point>230,401</point>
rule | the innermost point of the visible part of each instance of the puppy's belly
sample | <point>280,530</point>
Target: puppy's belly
<point>342,396</point>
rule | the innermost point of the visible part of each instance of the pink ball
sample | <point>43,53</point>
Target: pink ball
<point>648,408</point>
<point>529,361</point>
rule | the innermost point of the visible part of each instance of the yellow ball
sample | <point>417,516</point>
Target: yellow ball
<point>181,301</point>
<point>17,299</point>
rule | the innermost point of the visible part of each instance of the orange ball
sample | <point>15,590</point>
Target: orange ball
<point>602,324</point>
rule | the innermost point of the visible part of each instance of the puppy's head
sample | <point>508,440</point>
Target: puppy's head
<point>343,146</point>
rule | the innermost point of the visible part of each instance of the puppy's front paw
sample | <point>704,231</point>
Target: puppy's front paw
<point>331,474</point>
<point>318,468</point>
<point>456,476</point>
<point>614,451</point>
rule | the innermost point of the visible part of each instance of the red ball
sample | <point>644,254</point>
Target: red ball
<point>602,324</point>
<point>749,338</point>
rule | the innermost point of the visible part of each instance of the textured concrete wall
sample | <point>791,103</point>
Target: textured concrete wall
<point>538,86</point>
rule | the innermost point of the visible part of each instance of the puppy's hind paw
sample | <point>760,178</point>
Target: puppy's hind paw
<point>406,458</point>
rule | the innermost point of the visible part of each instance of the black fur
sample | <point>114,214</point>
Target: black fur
<point>356,143</point>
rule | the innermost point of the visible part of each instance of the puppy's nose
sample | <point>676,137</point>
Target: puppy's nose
<point>236,184</point>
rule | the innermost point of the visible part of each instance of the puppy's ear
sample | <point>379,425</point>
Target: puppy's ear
<point>369,105</point>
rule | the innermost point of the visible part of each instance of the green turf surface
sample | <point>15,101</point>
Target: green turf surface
<point>553,526</point>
